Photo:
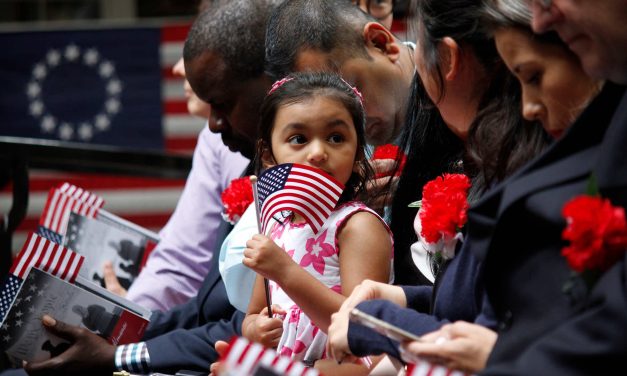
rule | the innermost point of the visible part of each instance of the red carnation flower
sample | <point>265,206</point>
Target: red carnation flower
<point>597,233</point>
<point>389,151</point>
<point>444,207</point>
<point>236,198</point>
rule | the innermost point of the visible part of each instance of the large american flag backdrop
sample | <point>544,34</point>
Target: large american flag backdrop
<point>111,86</point>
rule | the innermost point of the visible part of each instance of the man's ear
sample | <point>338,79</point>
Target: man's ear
<point>450,57</point>
<point>378,37</point>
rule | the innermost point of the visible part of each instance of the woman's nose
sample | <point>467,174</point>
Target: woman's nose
<point>533,110</point>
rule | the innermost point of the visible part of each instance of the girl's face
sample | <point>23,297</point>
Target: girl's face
<point>317,132</point>
<point>554,87</point>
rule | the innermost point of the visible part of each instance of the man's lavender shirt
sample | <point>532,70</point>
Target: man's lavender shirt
<point>178,265</point>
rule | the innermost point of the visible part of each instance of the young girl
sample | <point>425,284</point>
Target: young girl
<point>315,119</point>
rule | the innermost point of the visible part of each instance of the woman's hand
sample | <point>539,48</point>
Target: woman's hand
<point>266,258</point>
<point>337,344</point>
<point>461,345</point>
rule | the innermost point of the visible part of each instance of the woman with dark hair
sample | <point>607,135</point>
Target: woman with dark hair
<point>467,119</point>
<point>555,90</point>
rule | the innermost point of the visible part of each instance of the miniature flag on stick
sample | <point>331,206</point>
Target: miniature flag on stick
<point>63,200</point>
<point>41,253</point>
<point>307,191</point>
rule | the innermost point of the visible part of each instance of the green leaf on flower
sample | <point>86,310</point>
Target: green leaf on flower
<point>415,204</point>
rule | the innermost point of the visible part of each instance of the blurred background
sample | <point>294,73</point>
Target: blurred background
<point>88,96</point>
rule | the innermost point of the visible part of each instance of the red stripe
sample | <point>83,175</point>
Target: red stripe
<point>68,266</point>
<point>308,200</point>
<point>156,220</point>
<point>57,265</point>
<point>330,185</point>
<point>167,74</point>
<point>50,253</point>
<point>290,205</point>
<point>42,218</point>
<point>76,270</point>
<point>174,33</point>
<point>181,144</point>
<point>315,193</point>
<point>175,107</point>
<point>23,252</point>
<point>330,179</point>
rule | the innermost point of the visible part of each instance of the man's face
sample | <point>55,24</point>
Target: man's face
<point>595,30</point>
<point>234,103</point>
<point>381,83</point>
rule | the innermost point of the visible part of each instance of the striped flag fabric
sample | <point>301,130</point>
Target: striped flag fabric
<point>305,190</point>
<point>38,252</point>
<point>244,358</point>
<point>148,202</point>
<point>66,199</point>
<point>48,256</point>
<point>426,368</point>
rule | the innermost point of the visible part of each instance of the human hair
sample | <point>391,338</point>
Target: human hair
<point>496,14</point>
<point>234,30</point>
<point>499,140</point>
<point>328,26</point>
<point>300,87</point>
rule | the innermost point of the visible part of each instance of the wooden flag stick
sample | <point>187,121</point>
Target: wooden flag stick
<point>266,283</point>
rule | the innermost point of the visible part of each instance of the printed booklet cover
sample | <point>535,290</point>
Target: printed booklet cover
<point>23,336</point>
<point>99,241</point>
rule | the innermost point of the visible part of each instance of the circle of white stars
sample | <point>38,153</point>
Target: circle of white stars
<point>66,130</point>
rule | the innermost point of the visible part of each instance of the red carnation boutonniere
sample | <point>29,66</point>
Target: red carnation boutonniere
<point>443,213</point>
<point>389,151</point>
<point>236,198</point>
<point>597,235</point>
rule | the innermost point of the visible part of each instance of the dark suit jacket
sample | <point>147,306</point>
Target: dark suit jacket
<point>183,337</point>
<point>457,295</point>
<point>516,230</point>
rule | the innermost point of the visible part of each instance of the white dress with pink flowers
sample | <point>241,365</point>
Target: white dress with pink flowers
<point>319,255</point>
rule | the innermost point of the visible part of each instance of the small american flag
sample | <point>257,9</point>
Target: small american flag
<point>304,190</point>
<point>9,291</point>
<point>248,358</point>
<point>425,368</point>
<point>63,200</point>
<point>48,256</point>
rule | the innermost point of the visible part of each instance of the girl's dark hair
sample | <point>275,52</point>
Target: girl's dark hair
<point>300,87</point>
<point>499,139</point>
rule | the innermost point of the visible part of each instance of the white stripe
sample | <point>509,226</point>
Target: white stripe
<point>118,357</point>
<point>131,201</point>
<point>129,356</point>
<point>421,369</point>
<point>51,208</point>
<point>183,125</point>
<point>282,364</point>
<point>297,369</point>
<point>278,204</point>
<point>64,187</point>
<point>170,53</point>
<point>138,358</point>
<point>29,249</point>
<point>334,186</point>
<point>73,268</point>
<point>250,359</point>
<point>322,196</point>
<point>58,213</point>
<point>235,353</point>
<point>55,257</point>
<point>173,89</point>
<point>274,198</point>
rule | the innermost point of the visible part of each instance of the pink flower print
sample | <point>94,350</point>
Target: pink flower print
<point>277,231</point>
<point>337,288</point>
<point>317,250</point>
<point>291,253</point>
<point>286,351</point>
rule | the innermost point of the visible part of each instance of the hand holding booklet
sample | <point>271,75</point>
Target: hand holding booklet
<point>45,279</point>
<point>382,327</point>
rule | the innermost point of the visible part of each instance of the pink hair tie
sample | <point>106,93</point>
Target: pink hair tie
<point>356,91</point>
<point>279,83</point>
